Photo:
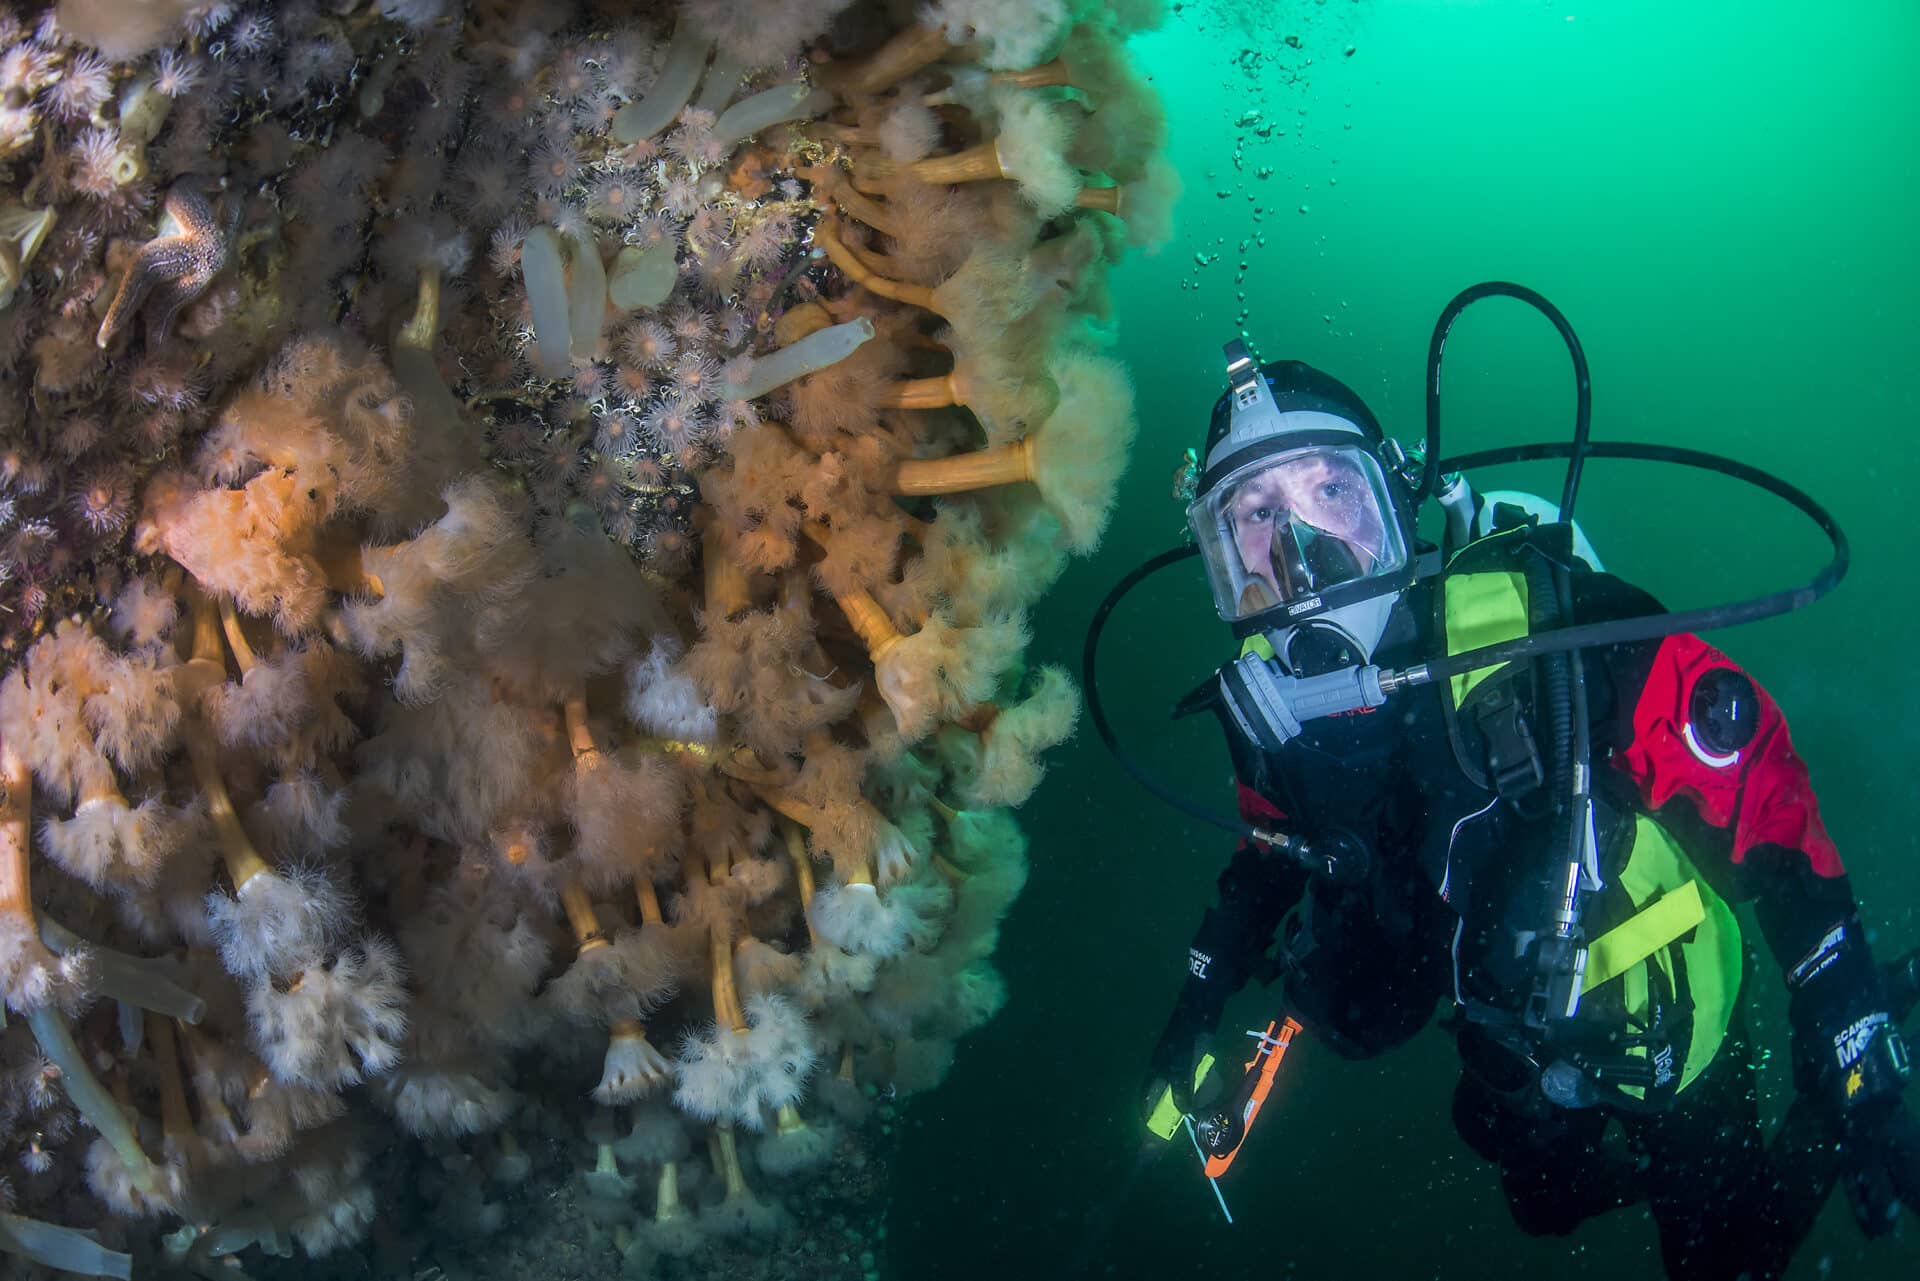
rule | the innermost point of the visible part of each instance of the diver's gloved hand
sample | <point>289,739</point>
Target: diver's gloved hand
<point>1880,1140</point>
<point>1212,978</point>
<point>1852,1062</point>
<point>1903,984</point>
<point>1183,1046</point>
<point>1176,1061</point>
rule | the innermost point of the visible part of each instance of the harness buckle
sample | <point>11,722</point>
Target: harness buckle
<point>1514,765</point>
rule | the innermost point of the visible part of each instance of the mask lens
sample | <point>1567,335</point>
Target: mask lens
<point>1330,495</point>
<point>1292,526</point>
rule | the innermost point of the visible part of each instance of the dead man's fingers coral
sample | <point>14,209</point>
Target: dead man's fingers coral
<point>814,352</point>
<point>794,100</point>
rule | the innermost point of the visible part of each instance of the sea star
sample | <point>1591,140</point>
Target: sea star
<point>176,266</point>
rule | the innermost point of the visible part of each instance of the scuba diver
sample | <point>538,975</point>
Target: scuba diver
<point>1547,845</point>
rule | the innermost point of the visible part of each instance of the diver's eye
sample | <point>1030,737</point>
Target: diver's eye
<point>1333,489</point>
<point>1261,515</point>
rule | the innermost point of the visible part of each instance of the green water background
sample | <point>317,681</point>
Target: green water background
<point>1721,196</point>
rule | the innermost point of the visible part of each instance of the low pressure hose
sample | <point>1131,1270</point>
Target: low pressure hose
<point>1096,710</point>
<point>1582,384</point>
<point>1563,676</point>
<point>1330,858</point>
<point>1543,615</point>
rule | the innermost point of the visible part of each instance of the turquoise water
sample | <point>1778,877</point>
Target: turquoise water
<point>1720,197</point>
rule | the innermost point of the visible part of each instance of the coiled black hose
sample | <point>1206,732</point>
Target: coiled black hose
<point>1582,384</point>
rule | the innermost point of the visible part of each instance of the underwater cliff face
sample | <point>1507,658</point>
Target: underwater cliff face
<point>517,528</point>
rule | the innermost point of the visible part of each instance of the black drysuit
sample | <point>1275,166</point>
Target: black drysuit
<point>1453,878</point>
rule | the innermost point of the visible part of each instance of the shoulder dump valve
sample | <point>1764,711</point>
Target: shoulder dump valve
<point>1724,711</point>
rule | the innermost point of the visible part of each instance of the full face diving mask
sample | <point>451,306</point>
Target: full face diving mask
<point>1286,529</point>
<point>1294,516</point>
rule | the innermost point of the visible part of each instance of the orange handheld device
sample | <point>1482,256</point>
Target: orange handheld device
<point>1221,1134</point>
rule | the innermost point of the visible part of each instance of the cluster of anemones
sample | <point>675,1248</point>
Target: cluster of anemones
<point>365,757</point>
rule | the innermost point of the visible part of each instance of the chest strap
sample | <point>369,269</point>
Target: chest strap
<point>1657,925</point>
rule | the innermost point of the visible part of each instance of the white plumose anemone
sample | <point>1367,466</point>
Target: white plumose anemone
<point>739,1077</point>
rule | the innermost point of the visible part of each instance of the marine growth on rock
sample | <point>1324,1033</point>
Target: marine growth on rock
<point>516,523</point>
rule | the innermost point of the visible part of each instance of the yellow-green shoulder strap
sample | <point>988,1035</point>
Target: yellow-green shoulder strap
<point>1647,931</point>
<point>1657,871</point>
<point>1482,609</point>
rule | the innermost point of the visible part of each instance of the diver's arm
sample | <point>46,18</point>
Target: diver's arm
<point>1709,752</point>
<point>1850,1061</point>
<point>1255,892</point>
